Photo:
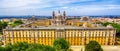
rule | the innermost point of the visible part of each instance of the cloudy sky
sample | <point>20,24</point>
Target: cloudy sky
<point>72,7</point>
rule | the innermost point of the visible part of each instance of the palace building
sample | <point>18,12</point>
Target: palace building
<point>45,31</point>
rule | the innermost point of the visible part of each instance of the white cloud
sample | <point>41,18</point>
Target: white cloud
<point>37,6</point>
<point>23,3</point>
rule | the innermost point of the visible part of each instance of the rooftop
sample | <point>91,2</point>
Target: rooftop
<point>58,27</point>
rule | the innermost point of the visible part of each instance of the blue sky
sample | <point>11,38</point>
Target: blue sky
<point>72,7</point>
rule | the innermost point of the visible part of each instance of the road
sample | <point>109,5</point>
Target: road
<point>105,48</point>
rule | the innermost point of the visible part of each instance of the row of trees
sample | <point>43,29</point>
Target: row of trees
<point>58,45</point>
<point>22,46</point>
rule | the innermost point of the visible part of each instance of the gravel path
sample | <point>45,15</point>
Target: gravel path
<point>105,48</point>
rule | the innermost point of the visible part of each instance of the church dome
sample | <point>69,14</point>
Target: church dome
<point>59,15</point>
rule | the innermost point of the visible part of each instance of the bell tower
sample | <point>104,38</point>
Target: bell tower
<point>64,15</point>
<point>58,11</point>
<point>53,15</point>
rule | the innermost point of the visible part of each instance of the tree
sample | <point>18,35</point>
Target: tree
<point>2,49</point>
<point>20,46</point>
<point>2,26</point>
<point>18,22</point>
<point>34,47</point>
<point>8,47</point>
<point>61,44</point>
<point>23,46</point>
<point>93,46</point>
<point>48,48</point>
<point>15,23</point>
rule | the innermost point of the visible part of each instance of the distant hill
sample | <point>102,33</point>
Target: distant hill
<point>18,17</point>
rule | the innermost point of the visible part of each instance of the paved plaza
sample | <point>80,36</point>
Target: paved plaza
<point>105,48</point>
